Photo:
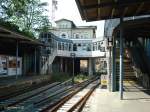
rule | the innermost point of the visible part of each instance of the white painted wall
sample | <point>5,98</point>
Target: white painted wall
<point>81,54</point>
<point>66,27</point>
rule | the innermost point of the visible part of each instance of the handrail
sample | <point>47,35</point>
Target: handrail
<point>144,57</point>
<point>140,58</point>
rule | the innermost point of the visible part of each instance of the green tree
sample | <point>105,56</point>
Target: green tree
<point>29,15</point>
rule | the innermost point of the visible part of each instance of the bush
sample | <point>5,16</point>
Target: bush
<point>81,78</point>
<point>60,77</point>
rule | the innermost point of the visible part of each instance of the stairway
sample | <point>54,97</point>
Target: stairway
<point>128,72</point>
<point>45,68</point>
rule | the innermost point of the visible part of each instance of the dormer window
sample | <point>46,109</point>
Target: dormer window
<point>63,35</point>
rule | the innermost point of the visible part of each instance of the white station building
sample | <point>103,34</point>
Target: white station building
<point>69,42</point>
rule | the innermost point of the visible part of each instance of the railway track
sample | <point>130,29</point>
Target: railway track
<point>15,91</point>
<point>75,100</point>
<point>45,98</point>
<point>28,96</point>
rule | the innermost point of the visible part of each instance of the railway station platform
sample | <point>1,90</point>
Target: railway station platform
<point>136,99</point>
<point>12,81</point>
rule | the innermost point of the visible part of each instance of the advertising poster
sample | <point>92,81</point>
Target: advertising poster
<point>3,65</point>
<point>12,65</point>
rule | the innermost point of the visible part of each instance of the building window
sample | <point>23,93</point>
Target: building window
<point>86,35</point>
<point>62,46</point>
<point>84,47</point>
<point>79,45</point>
<point>95,46</point>
<point>74,47</point>
<point>99,46</point>
<point>77,36</point>
<point>69,47</point>
<point>59,46</point>
<point>65,46</point>
<point>89,47</point>
<point>66,26</point>
<point>102,49</point>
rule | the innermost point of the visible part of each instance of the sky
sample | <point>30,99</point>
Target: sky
<point>67,9</point>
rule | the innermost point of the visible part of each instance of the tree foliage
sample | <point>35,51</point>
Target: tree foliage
<point>29,15</point>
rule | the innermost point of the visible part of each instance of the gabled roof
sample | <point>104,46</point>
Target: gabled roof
<point>93,10</point>
<point>78,27</point>
<point>66,20</point>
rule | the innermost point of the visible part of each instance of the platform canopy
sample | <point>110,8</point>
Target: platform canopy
<point>135,28</point>
<point>6,34</point>
<point>93,10</point>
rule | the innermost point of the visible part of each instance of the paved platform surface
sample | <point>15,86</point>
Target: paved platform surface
<point>135,100</point>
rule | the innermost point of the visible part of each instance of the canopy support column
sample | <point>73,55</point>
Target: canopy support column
<point>114,65</point>
<point>121,59</point>
<point>17,59</point>
<point>35,60</point>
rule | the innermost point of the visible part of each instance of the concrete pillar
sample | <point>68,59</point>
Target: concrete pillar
<point>50,68</point>
<point>97,45</point>
<point>61,46</point>
<point>93,65</point>
<point>68,47</point>
<point>66,65</point>
<point>72,47</point>
<point>92,47</point>
<point>61,64</point>
<point>90,68</point>
<point>57,45</point>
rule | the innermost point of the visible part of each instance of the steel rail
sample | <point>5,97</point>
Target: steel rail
<point>55,106</point>
<point>81,103</point>
<point>4,105</point>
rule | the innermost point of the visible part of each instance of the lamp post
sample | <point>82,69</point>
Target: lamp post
<point>73,56</point>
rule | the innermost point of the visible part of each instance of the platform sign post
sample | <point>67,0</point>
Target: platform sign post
<point>104,81</point>
<point>73,56</point>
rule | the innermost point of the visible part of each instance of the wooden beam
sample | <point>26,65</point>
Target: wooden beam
<point>125,11</point>
<point>119,4</point>
<point>139,8</point>
<point>7,36</point>
<point>112,12</point>
<point>99,10</point>
<point>114,16</point>
<point>80,8</point>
